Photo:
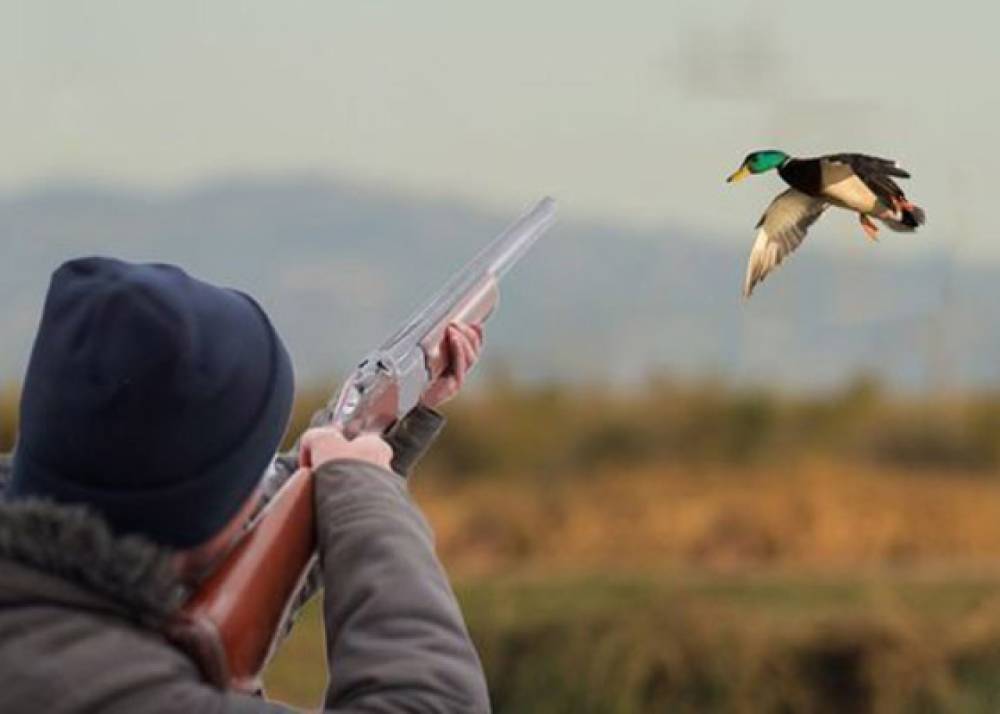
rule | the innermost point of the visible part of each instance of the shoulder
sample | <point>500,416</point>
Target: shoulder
<point>57,659</point>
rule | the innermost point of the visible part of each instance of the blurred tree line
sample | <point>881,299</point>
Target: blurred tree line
<point>509,428</point>
<point>506,428</point>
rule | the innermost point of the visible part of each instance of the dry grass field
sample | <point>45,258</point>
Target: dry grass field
<point>695,548</point>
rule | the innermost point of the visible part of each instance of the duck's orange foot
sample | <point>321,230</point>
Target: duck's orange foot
<point>871,230</point>
<point>901,204</point>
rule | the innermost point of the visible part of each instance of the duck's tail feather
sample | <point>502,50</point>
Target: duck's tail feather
<point>908,217</point>
<point>914,216</point>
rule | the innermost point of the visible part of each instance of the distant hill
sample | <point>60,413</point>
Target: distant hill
<point>338,265</point>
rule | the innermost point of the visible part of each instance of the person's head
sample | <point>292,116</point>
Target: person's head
<point>153,398</point>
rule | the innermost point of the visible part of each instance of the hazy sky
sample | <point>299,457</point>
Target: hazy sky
<point>625,110</point>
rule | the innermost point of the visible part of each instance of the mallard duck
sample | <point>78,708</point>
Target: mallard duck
<point>852,181</point>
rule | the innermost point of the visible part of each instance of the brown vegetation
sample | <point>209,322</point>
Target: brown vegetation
<point>697,548</point>
<point>817,515</point>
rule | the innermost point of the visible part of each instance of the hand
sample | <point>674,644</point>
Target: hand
<point>462,344</point>
<point>320,445</point>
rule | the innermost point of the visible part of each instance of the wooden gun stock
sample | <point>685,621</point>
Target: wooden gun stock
<point>231,623</point>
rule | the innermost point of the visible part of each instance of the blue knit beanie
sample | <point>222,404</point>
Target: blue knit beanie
<point>154,398</point>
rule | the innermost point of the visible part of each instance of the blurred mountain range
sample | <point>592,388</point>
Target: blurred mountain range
<point>338,265</point>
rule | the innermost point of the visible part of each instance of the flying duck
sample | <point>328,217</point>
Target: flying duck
<point>855,182</point>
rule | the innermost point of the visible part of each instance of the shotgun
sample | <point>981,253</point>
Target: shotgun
<point>235,620</point>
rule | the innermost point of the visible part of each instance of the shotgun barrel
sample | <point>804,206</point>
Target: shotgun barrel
<point>388,382</point>
<point>235,620</point>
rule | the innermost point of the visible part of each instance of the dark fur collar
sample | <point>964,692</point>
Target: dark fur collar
<point>77,547</point>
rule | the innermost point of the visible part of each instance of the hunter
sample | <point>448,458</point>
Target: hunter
<point>152,404</point>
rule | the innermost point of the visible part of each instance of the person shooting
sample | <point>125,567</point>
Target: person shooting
<point>152,404</point>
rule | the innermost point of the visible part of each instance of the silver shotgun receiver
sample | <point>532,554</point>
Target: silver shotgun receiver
<point>388,382</point>
<point>383,389</point>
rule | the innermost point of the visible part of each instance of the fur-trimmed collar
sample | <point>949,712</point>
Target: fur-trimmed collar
<point>77,547</point>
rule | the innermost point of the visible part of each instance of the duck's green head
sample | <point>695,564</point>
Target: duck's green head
<point>758,162</point>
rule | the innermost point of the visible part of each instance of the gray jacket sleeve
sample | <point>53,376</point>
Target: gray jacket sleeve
<point>396,640</point>
<point>410,440</point>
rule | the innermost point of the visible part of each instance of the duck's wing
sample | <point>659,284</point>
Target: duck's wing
<point>875,172</point>
<point>781,230</point>
<point>864,164</point>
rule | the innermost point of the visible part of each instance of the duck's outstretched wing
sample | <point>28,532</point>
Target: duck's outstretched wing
<point>780,231</point>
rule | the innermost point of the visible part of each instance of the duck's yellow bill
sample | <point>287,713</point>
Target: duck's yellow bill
<point>740,174</point>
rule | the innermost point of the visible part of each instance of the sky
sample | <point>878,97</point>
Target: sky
<point>628,112</point>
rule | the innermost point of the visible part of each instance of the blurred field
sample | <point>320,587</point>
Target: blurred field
<point>554,479</point>
<point>690,547</point>
<point>689,642</point>
<point>816,515</point>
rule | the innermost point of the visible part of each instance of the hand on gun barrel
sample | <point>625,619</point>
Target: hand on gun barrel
<point>237,617</point>
<point>463,344</point>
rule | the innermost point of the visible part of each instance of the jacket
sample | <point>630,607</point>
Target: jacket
<point>81,610</point>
